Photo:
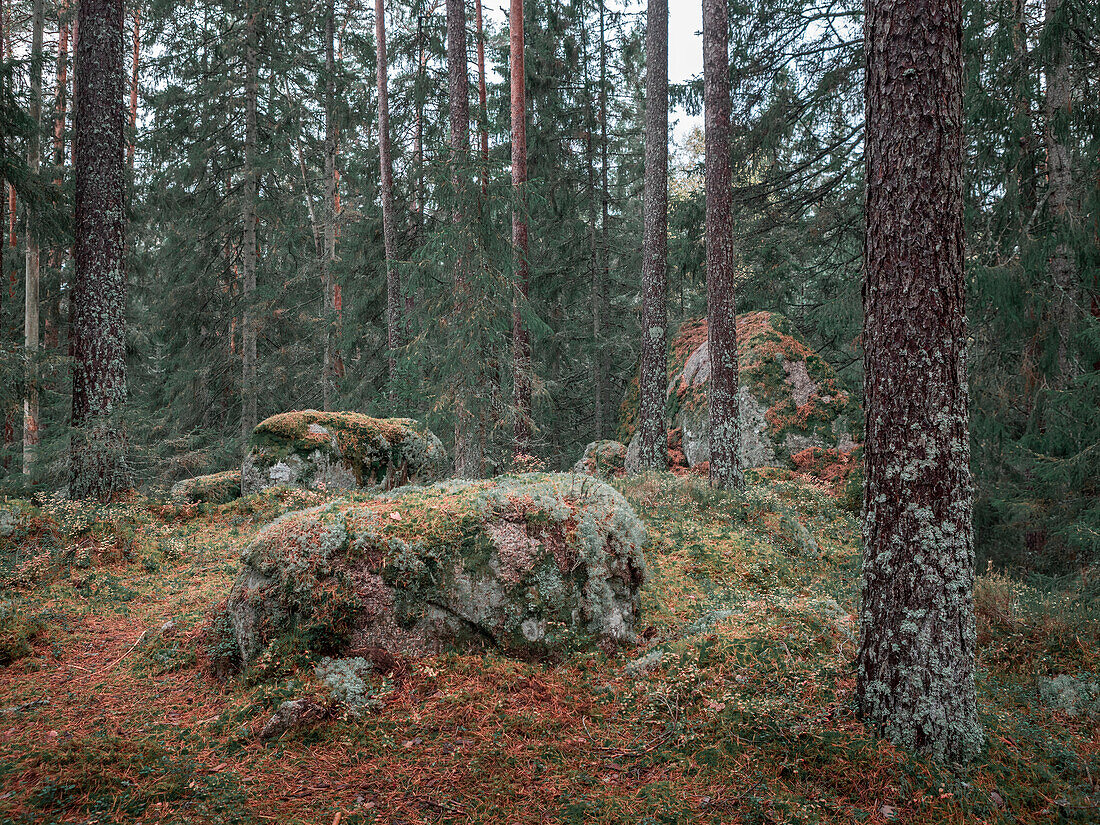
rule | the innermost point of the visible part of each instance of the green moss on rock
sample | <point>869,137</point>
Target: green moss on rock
<point>529,564</point>
<point>215,488</point>
<point>602,459</point>
<point>340,450</point>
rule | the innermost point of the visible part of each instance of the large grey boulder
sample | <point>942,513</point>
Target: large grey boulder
<point>340,451</point>
<point>528,564</point>
<point>792,403</point>
<point>602,459</point>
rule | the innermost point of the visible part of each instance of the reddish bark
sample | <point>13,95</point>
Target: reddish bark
<point>521,345</point>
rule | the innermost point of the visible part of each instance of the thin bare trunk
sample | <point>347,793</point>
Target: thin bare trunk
<point>393,283</point>
<point>248,216</point>
<point>593,239</point>
<point>135,68</point>
<point>725,424</point>
<point>34,253</point>
<point>603,271</point>
<point>328,379</point>
<point>483,111</point>
<point>521,344</point>
<point>654,372</point>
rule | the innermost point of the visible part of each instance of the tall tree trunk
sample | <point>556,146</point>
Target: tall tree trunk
<point>328,378</point>
<point>34,252</point>
<point>393,282</point>
<point>521,344</point>
<point>468,450</point>
<point>654,372</point>
<point>135,68</point>
<point>248,216</point>
<point>725,424</point>
<point>99,294</point>
<point>1063,266</point>
<point>419,196</point>
<point>593,229</point>
<point>603,271</point>
<point>1025,168</point>
<point>915,672</point>
<point>61,91</point>
<point>483,110</point>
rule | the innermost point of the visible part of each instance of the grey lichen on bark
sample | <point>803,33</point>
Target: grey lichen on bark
<point>915,673</point>
<point>98,465</point>
<point>654,372</point>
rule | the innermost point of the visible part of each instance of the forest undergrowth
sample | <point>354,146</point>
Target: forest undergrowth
<point>735,707</point>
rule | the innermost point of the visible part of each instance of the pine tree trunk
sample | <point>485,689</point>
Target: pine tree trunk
<point>248,217</point>
<point>328,377</point>
<point>393,282</point>
<point>593,237</point>
<point>99,294</point>
<point>1025,169</point>
<point>482,97</point>
<point>915,672</point>
<point>135,68</point>
<point>468,453</point>
<point>521,344</point>
<point>34,252</point>
<point>725,425</point>
<point>654,372</point>
<point>61,92</point>
<point>600,298</point>
<point>1063,266</point>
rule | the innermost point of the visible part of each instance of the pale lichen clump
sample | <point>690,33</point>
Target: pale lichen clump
<point>339,451</point>
<point>603,459</point>
<point>533,564</point>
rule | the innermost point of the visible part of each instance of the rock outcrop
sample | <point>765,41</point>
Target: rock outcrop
<point>603,460</point>
<point>529,564</point>
<point>794,410</point>
<point>340,451</point>
<point>215,488</point>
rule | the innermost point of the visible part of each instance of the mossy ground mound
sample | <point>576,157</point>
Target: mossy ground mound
<point>531,564</point>
<point>340,451</point>
<point>602,459</point>
<point>215,488</point>
<point>795,413</point>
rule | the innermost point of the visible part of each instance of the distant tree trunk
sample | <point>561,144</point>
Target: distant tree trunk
<point>135,68</point>
<point>600,285</point>
<point>393,282</point>
<point>482,97</point>
<point>418,136</point>
<point>7,428</point>
<point>521,344</point>
<point>248,216</point>
<point>1025,169</point>
<point>654,373</point>
<point>328,377</point>
<point>34,252</point>
<point>468,450</point>
<point>61,91</point>
<point>1063,266</point>
<point>725,425</point>
<point>915,671</point>
<point>99,294</point>
<point>593,237</point>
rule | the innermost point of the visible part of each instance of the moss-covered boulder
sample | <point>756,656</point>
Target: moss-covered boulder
<point>215,488</point>
<point>340,451</point>
<point>528,564</point>
<point>791,399</point>
<point>602,459</point>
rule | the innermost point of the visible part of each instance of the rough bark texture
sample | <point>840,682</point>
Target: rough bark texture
<point>482,97</point>
<point>248,214</point>
<point>725,431</point>
<point>521,343</point>
<point>1063,266</point>
<point>393,278</point>
<point>34,252</point>
<point>99,293</point>
<point>915,675</point>
<point>328,284</point>
<point>468,452</point>
<point>654,373</point>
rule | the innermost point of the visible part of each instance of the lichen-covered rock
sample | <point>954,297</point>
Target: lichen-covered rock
<point>529,564</point>
<point>602,459</point>
<point>340,451</point>
<point>215,488</point>
<point>791,401</point>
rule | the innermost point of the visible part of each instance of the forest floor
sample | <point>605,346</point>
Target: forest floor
<point>738,707</point>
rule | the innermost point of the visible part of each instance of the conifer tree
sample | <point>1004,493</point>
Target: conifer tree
<point>393,278</point>
<point>521,342</point>
<point>98,463</point>
<point>915,673</point>
<point>654,372</point>
<point>34,253</point>
<point>725,426</point>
